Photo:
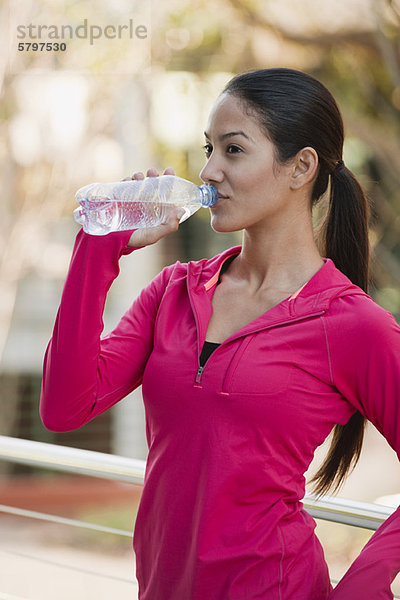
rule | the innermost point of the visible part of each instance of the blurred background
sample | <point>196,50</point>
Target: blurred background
<point>100,110</point>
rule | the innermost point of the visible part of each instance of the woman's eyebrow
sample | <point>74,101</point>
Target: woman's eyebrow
<point>230,134</point>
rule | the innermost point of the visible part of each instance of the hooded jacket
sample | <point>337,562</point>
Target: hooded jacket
<point>221,516</point>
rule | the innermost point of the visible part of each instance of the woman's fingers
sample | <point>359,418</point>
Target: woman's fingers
<point>151,235</point>
<point>169,171</point>
<point>151,172</point>
<point>137,175</point>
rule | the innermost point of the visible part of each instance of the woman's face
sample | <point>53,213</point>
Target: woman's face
<point>253,187</point>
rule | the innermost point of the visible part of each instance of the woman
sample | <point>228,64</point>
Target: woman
<point>247,360</point>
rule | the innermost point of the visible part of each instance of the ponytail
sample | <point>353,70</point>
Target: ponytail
<point>344,238</point>
<point>346,227</point>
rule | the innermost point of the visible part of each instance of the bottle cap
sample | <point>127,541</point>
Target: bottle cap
<point>210,195</point>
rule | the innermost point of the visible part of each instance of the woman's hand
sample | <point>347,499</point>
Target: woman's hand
<point>151,235</point>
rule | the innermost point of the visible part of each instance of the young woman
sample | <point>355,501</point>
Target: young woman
<point>247,360</point>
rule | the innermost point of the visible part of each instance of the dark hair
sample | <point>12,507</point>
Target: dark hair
<point>296,110</point>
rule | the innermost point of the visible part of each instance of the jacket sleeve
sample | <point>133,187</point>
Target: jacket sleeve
<point>365,360</point>
<point>84,375</point>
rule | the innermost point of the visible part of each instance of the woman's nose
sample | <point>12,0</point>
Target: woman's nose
<point>211,172</point>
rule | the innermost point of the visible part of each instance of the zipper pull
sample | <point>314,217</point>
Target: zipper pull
<point>199,374</point>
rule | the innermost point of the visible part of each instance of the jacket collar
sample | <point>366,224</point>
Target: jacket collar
<point>315,296</point>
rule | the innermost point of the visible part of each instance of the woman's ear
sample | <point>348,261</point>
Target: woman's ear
<point>305,168</point>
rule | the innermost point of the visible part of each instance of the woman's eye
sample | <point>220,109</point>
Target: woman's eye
<point>231,149</point>
<point>234,149</point>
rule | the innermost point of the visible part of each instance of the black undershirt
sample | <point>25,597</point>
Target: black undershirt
<point>209,347</point>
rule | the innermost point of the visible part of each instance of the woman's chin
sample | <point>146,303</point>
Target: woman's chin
<point>223,226</point>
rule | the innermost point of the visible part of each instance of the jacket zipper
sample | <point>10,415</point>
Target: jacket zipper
<point>200,369</point>
<point>199,374</point>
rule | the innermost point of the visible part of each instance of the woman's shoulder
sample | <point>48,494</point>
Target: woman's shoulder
<point>203,267</point>
<point>359,317</point>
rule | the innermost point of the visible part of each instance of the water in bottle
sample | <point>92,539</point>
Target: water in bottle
<point>134,204</point>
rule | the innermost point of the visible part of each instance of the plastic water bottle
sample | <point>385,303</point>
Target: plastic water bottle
<point>134,204</point>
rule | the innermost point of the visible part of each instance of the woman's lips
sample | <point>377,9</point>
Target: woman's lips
<point>220,199</point>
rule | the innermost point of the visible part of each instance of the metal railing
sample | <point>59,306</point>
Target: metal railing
<point>109,466</point>
<point>72,460</point>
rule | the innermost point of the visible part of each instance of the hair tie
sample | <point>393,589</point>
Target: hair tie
<point>339,166</point>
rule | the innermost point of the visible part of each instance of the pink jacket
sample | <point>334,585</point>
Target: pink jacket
<point>221,516</point>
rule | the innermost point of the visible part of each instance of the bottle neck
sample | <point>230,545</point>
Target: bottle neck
<point>209,195</point>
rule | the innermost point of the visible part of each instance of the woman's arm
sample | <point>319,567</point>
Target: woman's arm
<point>84,375</point>
<point>366,370</point>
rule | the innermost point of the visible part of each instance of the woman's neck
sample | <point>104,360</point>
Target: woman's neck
<point>283,260</point>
